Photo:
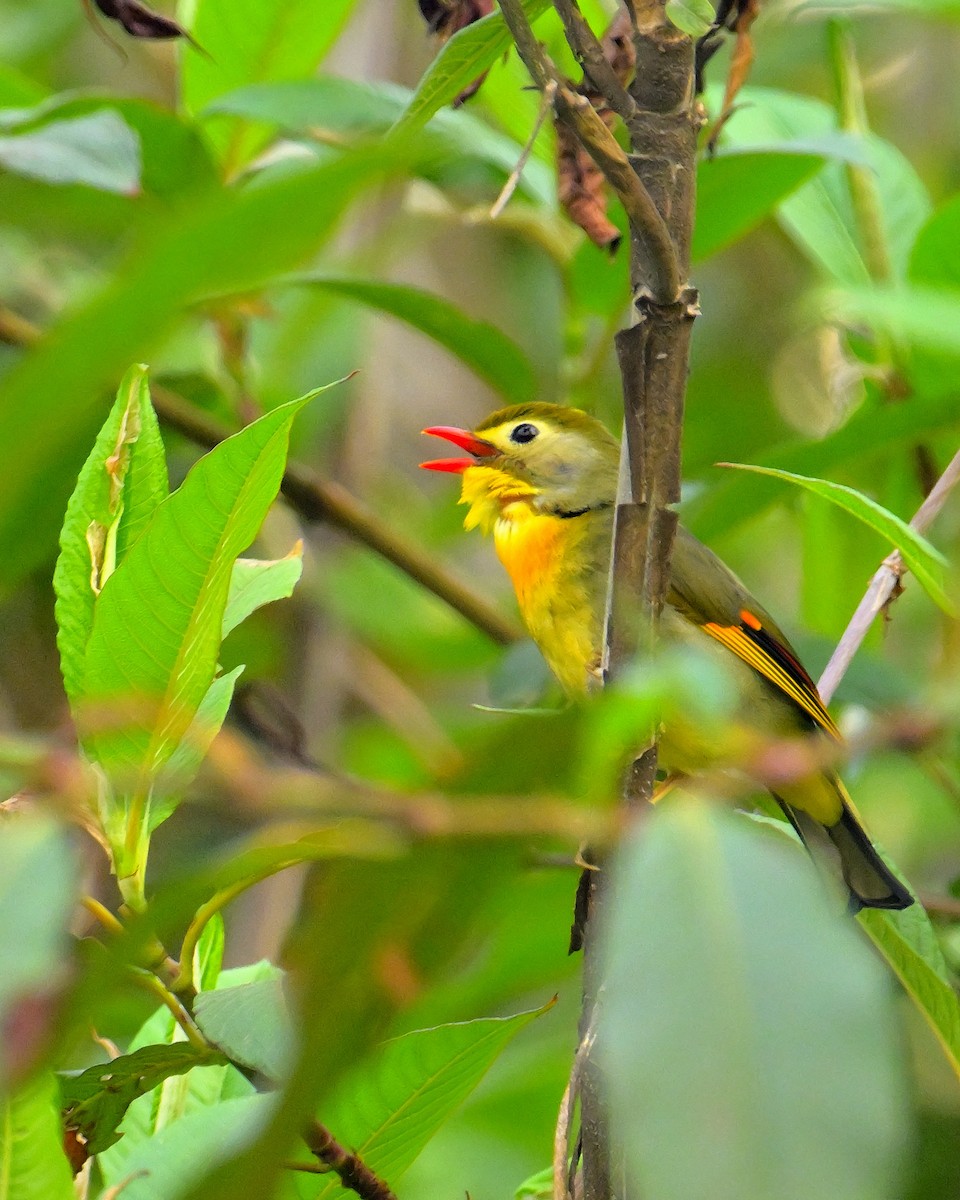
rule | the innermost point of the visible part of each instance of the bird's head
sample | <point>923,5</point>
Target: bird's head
<point>558,459</point>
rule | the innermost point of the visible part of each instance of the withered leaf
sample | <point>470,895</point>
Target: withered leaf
<point>744,13</point>
<point>582,192</point>
<point>140,21</point>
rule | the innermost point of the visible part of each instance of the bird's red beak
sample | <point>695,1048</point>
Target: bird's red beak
<point>463,438</point>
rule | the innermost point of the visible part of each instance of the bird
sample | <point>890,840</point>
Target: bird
<point>542,479</point>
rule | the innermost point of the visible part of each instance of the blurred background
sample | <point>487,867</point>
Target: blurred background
<point>383,678</point>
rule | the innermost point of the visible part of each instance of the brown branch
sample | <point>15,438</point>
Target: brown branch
<point>596,67</point>
<point>883,586</point>
<point>353,1172</point>
<point>316,499</point>
<point>661,271</point>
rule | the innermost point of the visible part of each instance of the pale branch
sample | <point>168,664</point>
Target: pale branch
<point>646,223</point>
<point>590,55</point>
<point>883,586</point>
<point>316,499</point>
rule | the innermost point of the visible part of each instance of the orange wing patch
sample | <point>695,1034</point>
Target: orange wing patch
<point>771,659</point>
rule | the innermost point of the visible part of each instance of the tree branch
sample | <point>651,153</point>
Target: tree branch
<point>648,229</point>
<point>316,499</point>
<point>883,586</point>
<point>591,57</point>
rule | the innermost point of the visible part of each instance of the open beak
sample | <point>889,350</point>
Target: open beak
<point>477,447</point>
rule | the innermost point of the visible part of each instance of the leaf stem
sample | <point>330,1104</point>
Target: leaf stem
<point>147,980</point>
<point>102,914</point>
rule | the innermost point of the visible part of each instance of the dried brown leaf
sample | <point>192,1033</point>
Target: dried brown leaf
<point>582,191</point>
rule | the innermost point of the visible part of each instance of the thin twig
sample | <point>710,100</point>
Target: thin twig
<point>547,97</point>
<point>586,46</point>
<point>102,914</point>
<point>316,499</point>
<point>883,585</point>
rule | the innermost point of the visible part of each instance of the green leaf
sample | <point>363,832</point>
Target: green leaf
<point>120,486</point>
<point>179,259</point>
<point>389,1109</point>
<point>873,429</point>
<point>909,944</point>
<point>494,356</point>
<point>255,582</point>
<point>692,17</point>
<point>465,57</point>
<point>926,563</point>
<point>736,190</point>
<point>247,41</point>
<point>153,649</point>
<point>329,108</point>
<point>100,151</point>
<point>168,1163</point>
<point>32,1163</point>
<point>251,1024</point>
<point>537,1187</point>
<point>819,216</point>
<point>744,1019</point>
<point>94,1101</point>
<point>933,9</point>
<point>38,882</point>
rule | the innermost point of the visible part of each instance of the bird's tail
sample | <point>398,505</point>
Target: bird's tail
<point>869,880</point>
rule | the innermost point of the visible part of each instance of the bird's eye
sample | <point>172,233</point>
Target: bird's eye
<point>523,433</point>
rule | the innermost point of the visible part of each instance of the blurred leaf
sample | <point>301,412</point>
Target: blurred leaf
<point>38,883</point>
<point>330,107</point>
<point>17,89</point>
<point>729,988</point>
<point>247,41</point>
<point>94,1101</point>
<point>462,60</point>
<point>167,1164</point>
<point>119,488</point>
<point>255,582</point>
<point>926,562</point>
<point>100,151</point>
<point>922,317</point>
<point>494,356</point>
<point>736,190</point>
<point>948,9</point>
<point>692,17</point>
<point>933,260</point>
<point>250,1024</point>
<point>537,1187</point>
<point>182,258</point>
<point>819,216</point>
<point>152,652</point>
<point>909,944</point>
<point>388,1109</point>
<point>32,1163</point>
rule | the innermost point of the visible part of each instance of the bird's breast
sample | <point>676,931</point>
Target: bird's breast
<point>545,558</point>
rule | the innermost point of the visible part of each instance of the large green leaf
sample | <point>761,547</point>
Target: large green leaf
<point>388,1109</point>
<point>819,217</point>
<point>120,486</point>
<point>32,1163</point>
<point>152,652</point>
<point>748,1040</point>
<point>168,1163</point>
<point>94,1101</point>
<point>494,356</point>
<point>872,430</point>
<point>466,56</point>
<point>176,261</point>
<point>38,881</point>
<point>329,108</point>
<point>247,41</point>
<point>736,190</point>
<point>909,944</point>
<point>926,563</point>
